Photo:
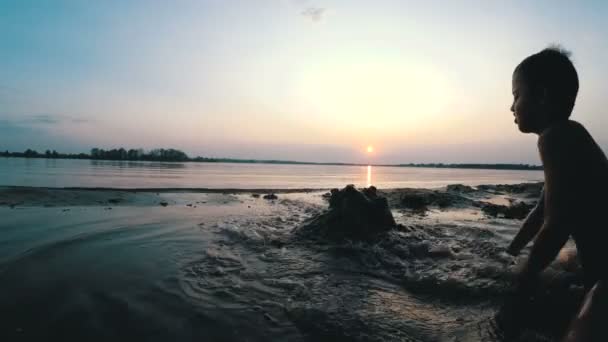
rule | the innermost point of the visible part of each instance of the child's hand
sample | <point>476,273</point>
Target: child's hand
<point>513,251</point>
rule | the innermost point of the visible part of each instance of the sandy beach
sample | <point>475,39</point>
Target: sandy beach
<point>194,263</point>
<point>298,170</point>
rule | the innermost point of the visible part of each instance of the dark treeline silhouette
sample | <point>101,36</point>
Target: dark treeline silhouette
<point>477,166</point>
<point>47,154</point>
<point>173,155</point>
<point>159,154</point>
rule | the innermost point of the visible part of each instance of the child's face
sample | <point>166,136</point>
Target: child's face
<point>526,106</point>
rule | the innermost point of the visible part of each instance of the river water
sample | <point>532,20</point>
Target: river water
<point>127,174</point>
<point>228,266</point>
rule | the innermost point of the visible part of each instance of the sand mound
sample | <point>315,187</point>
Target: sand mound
<point>517,210</point>
<point>533,189</point>
<point>352,214</point>
<point>421,200</point>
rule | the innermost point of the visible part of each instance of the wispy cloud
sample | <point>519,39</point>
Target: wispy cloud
<point>53,119</point>
<point>299,2</point>
<point>30,120</point>
<point>42,131</point>
<point>8,126</point>
<point>309,10</point>
<point>80,120</point>
<point>45,119</point>
<point>8,90</point>
<point>16,135</point>
<point>10,95</point>
<point>313,13</point>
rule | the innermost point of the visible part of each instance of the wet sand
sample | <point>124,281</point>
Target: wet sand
<point>186,264</point>
<point>20,196</point>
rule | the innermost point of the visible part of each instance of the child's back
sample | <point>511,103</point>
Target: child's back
<point>584,170</point>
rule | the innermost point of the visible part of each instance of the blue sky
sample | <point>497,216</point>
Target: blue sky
<point>310,80</point>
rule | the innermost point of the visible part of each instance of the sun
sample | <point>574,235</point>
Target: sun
<point>370,149</point>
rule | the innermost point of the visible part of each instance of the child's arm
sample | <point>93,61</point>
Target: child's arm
<point>558,153</point>
<point>529,228</point>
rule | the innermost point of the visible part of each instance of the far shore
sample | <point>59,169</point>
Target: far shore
<point>519,167</point>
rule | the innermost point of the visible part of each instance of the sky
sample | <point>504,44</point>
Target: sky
<point>420,81</point>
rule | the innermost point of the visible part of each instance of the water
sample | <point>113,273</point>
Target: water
<point>233,270</point>
<point>229,267</point>
<point>206,273</point>
<point>127,174</point>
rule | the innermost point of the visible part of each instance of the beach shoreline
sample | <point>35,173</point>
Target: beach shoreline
<point>12,196</point>
<point>235,259</point>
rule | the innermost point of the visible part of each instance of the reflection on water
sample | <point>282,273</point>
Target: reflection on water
<point>160,274</point>
<point>122,164</point>
<point>144,174</point>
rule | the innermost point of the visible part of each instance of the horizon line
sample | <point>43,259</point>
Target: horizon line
<point>29,153</point>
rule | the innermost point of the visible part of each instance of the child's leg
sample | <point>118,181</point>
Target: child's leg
<point>590,324</point>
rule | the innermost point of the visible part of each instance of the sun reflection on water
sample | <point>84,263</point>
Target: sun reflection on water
<point>369,175</point>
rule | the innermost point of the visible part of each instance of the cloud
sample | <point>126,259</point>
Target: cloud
<point>313,13</point>
<point>8,90</point>
<point>18,137</point>
<point>41,131</point>
<point>8,126</point>
<point>37,132</point>
<point>10,95</point>
<point>80,120</point>
<point>299,2</point>
<point>45,119</point>
<point>309,10</point>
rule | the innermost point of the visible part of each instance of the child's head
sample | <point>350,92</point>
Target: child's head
<point>544,90</point>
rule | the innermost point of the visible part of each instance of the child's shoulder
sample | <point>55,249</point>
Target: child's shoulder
<point>562,131</point>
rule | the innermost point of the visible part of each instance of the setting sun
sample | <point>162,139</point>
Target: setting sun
<point>370,149</point>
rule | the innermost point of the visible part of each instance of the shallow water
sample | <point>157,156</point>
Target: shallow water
<point>232,270</point>
<point>128,174</point>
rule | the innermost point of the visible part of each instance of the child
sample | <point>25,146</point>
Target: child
<point>545,86</point>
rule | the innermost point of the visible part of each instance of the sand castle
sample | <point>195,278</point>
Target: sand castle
<point>352,214</point>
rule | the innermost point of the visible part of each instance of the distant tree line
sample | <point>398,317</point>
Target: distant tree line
<point>159,154</point>
<point>477,166</point>
<point>47,154</point>
<point>173,155</point>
